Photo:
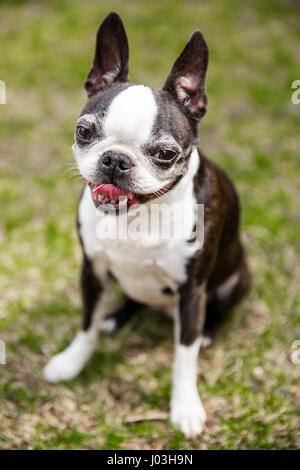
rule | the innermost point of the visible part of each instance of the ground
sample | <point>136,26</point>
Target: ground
<point>247,379</point>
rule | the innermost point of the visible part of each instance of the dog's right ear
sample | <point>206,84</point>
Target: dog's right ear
<point>111,56</point>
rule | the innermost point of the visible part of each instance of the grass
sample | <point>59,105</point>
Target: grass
<point>247,381</point>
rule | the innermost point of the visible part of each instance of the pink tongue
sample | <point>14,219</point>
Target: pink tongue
<point>112,192</point>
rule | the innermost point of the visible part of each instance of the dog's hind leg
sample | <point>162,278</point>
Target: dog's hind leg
<point>99,300</point>
<point>120,317</point>
<point>227,295</point>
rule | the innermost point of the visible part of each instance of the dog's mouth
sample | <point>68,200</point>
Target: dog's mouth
<point>110,198</point>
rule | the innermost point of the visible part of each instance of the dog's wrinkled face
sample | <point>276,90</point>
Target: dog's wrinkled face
<point>132,140</point>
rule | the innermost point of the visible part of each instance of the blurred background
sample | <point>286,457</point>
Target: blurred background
<point>248,381</point>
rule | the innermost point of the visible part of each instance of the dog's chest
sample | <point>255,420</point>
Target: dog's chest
<point>148,269</point>
<point>148,273</point>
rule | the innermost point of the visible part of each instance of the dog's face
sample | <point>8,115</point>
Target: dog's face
<point>132,140</point>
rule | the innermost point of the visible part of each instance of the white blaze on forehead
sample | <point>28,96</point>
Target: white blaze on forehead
<point>131,115</point>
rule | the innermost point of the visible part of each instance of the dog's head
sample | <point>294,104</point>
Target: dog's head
<point>132,140</point>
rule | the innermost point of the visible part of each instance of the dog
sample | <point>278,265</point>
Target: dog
<point>138,145</point>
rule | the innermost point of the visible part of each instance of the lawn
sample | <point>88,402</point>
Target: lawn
<point>247,380</point>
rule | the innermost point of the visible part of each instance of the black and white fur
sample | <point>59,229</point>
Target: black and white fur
<point>137,121</point>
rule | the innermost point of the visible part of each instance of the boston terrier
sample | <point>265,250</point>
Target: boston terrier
<point>136,148</point>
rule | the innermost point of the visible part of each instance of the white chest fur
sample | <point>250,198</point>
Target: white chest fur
<point>144,265</point>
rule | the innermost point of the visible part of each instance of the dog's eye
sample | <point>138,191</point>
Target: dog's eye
<point>84,133</point>
<point>165,155</point>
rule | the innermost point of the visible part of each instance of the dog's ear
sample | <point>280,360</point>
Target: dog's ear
<point>186,81</point>
<point>111,55</point>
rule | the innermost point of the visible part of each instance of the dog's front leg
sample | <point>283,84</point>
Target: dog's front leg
<point>99,300</point>
<point>187,412</point>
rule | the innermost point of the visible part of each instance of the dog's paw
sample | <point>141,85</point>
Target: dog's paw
<point>188,414</point>
<point>61,367</point>
<point>69,363</point>
<point>108,325</point>
<point>206,342</point>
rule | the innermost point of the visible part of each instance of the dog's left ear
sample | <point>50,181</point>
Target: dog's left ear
<point>111,56</point>
<point>186,81</point>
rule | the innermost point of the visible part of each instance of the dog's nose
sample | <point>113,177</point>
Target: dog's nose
<point>112,161</point>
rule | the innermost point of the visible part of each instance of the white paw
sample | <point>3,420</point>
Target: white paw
<point>187,413</point>
<point>61,367</point>
<point>206,341</point>
<point>108,325</point>
<point>67,364</point>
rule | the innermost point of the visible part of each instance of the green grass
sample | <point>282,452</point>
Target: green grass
<point>247,381</point>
